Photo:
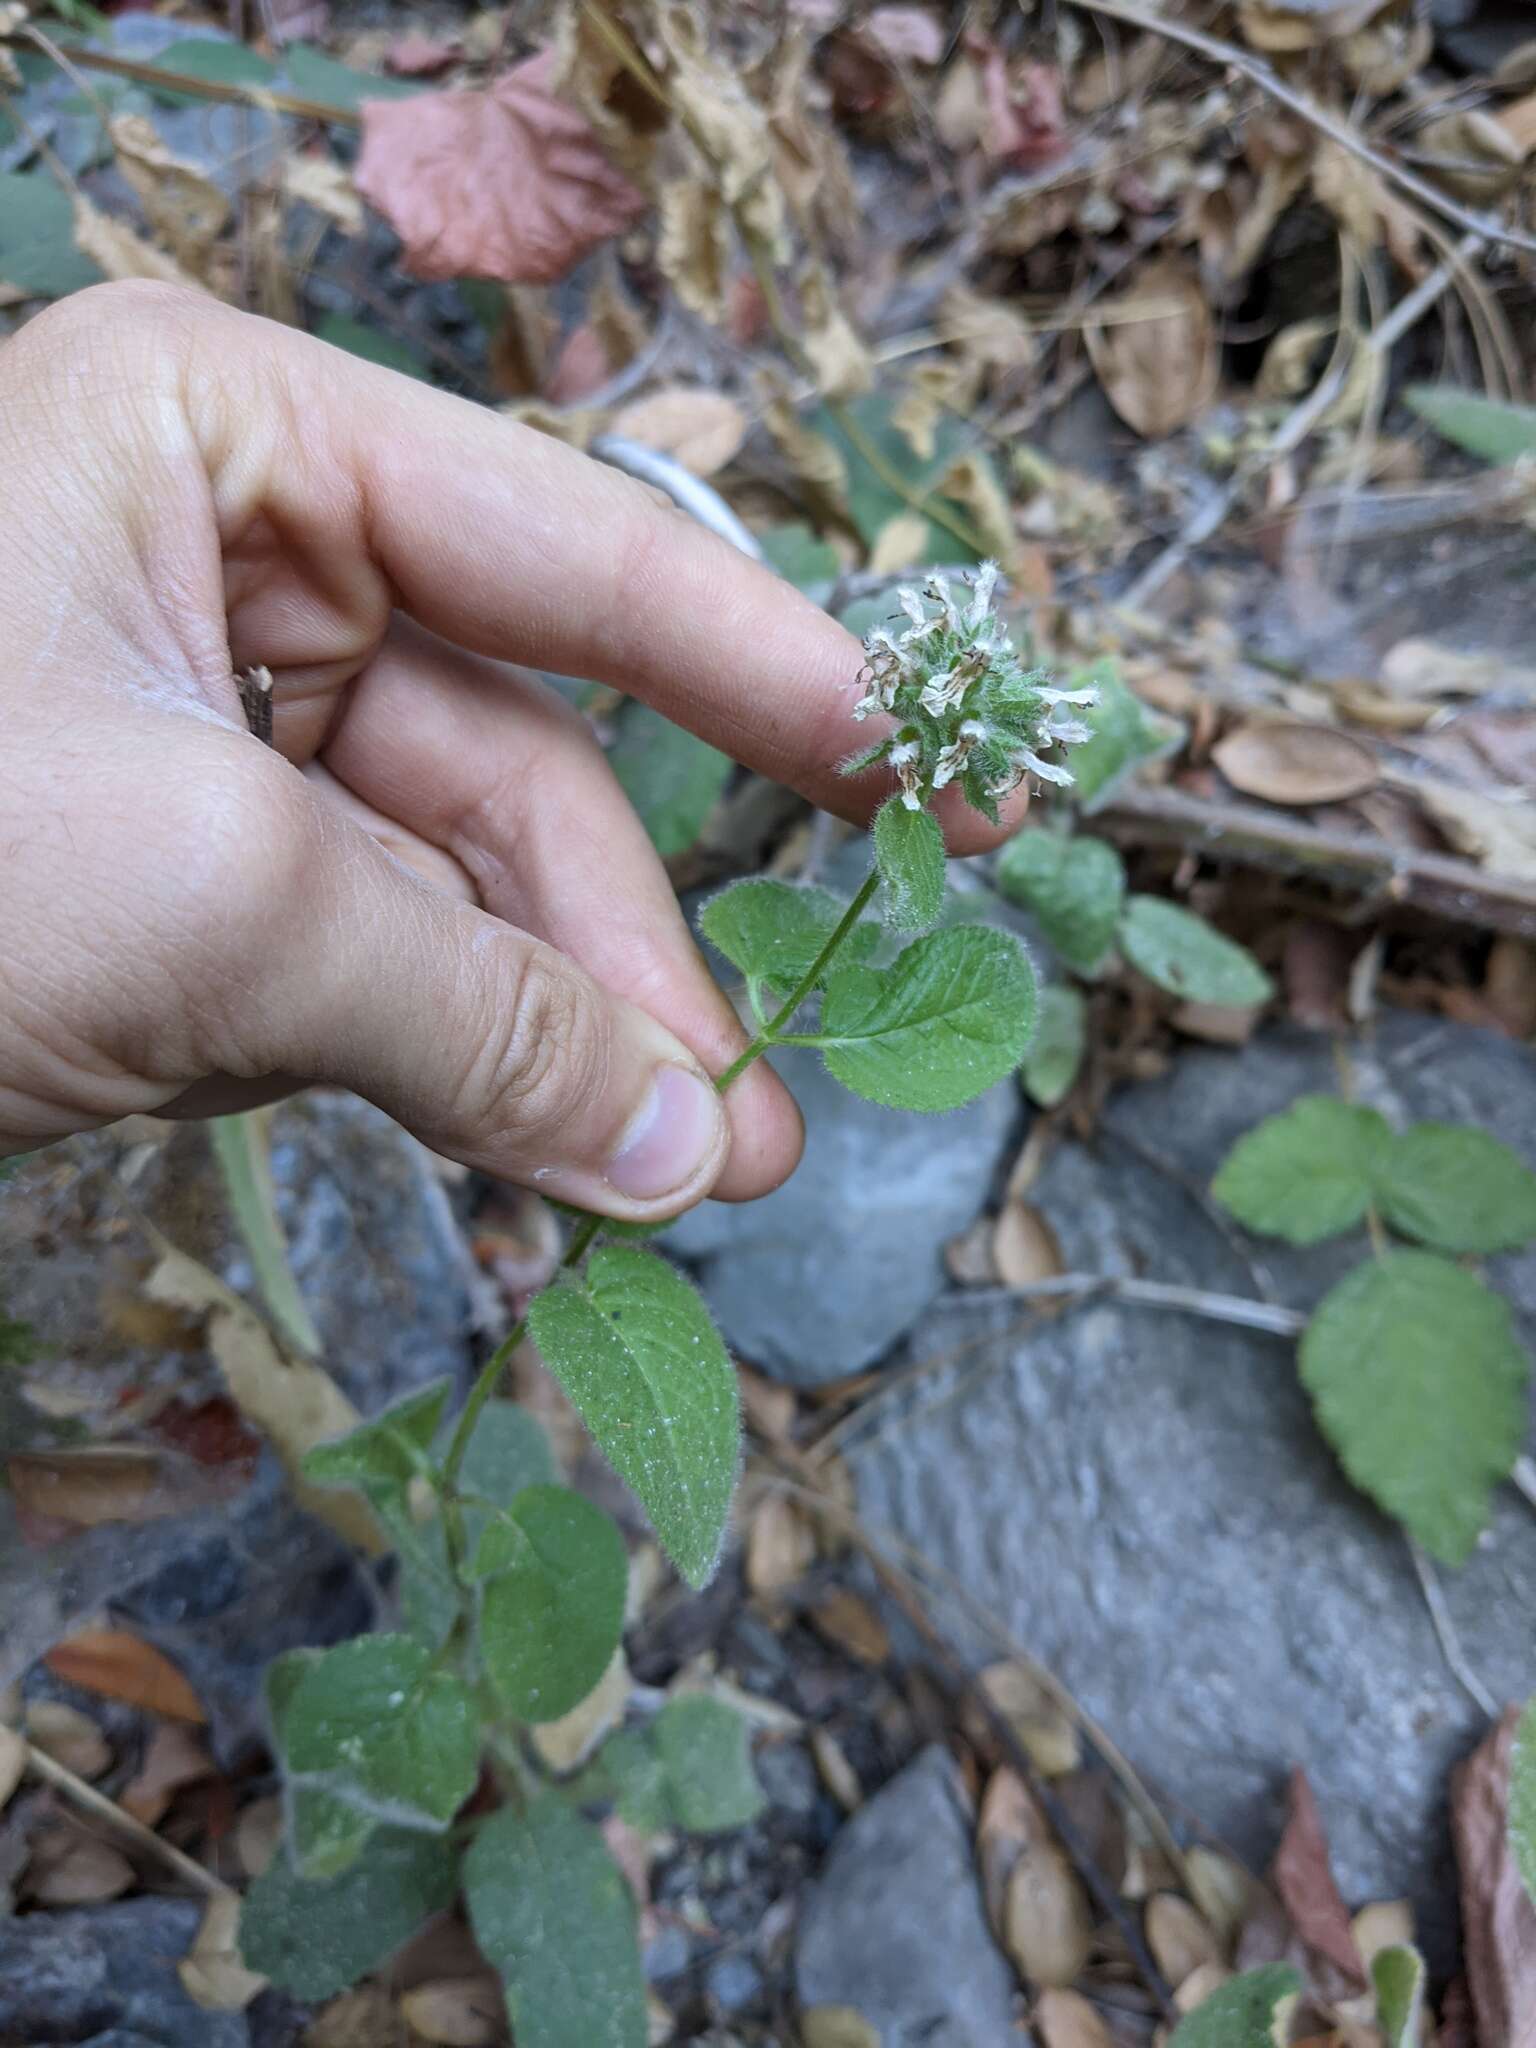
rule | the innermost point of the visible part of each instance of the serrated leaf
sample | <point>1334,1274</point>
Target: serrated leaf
<point>509,1450</point>
<point>672,778</point>
<point>909,852</point>
<point>632,1344</point>
<point>1457,1189</point>
<point>1398,1974</point>
<point>799,554</point>
<point>1075,887</point>
<point>556,1919</point>
<point>1056,1050</point>
<point>380,1459</point>
<point>950,1016</point>
<point>689,1768</point>
<point>1419,1384</point>
<point>1241,2012</point>
<point>325,1835</point>
<point>372,344</point>
<point>1186,956</point>
<point>37,238</point>
<point>373,1722</point>
<point>1522,1798</point>
<point>1483,426</point>
<point>774,931</point>
<point>315,76</point>
<point>1306,1174</point>
<point>551,1618</point>
<point>315,1939</point>
<point>1122,733</point>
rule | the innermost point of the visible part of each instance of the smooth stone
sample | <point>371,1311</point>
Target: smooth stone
<point>108,1973</point>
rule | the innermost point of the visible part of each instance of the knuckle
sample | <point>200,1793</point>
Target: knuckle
<point>105,317</point>
<point>544,1050</point>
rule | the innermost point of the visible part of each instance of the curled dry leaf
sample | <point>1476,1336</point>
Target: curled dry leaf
<point>1047,1924</point>
<point>259,1834</point>
<point>1065,2019</point>
<point>120,252</point>
<point>122,1666</point>
<point>1222,1890</point>
<point>1008,1819</point>
<point>1287,763</point>
<point>319,181</point>
<point>781,1545</point>
<point>181,203</point>
<point>1497,1916</point>
<point>849,1623</point>
<point>693,245</point>
<point>70,1737</point>
<point>1155,352</point>
<point>702,429</point>
<point>504,183</point>
<point>1499,833</point>
<point>211,1972</point>
<point>69,1868</point>
<point>968,1257</point>
<point>1048,1735</point>
<point>1303,1875</point>
<point>842,365</point>
<point>1024,1246</point>
<point>898,544</point>
<point>174,1757</point>
<point>457,2012</point>
<point>1179,1937</point>
<point>57,1491</point>
<point>836,1773</point>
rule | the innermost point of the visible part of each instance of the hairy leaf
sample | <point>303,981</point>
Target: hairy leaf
<point>632,1344</point>
<point>1056,1051</point>
<point>1075,887</point>
<point>773,931</point>
<point>325,1834</point>
<point>1184,955</point>
<point>555,1918</point>
<point>1457,1189</point>
<point>689,1768</point>
<point>909,852</point>
<point>1123,733</point>
<point>372,1721</point>
<point>1398,1975</point>
<point>1483,426</point>
<point>551,1617</point>
<point>37,238</point>
<point>1420,1386</point>
<point>381,1457</point>
<point>800,555</point>
<point>1241,2012</point>
<point>672,778</point>
<point>950,1016</point>
<point>315,1939</point>
<point>1306,1174</point>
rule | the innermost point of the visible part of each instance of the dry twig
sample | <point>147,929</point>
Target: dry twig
<point>90,1801</point>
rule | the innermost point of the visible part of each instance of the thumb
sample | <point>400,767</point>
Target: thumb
<point>486,1043</point>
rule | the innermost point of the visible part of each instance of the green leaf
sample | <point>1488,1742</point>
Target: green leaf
<point>372,344</point>
<point>373,1722</point>
<point>1123,733</point>
<point>1457,1189</point>
<point>1420,1385</point>
<point>950,1016</point>
<point>240,1148</point>
<point>315,1939</point>
<point>1398,1976</point>
<point>218,63</point>
<point>1186,956</point>
<point>1241,2012</point>
<point>556,1919</point>
<point>314,76</point>
<point>1056,1050</point>
<point>909,852</point>
<point>1483,426</point>
<point>1306,1174</point>
<point>380,1458</point>
<point>551,1619</point>
<point>800,555</point>
<point>872,500</point>
<point>689,1768</point>
<point>1075,887</point>
<point>632,1344</point>
<point>325,1834</point>
<point>37,238</point>
<point>1522,1798</point>
<point>774,931</point>
<point>672,778</point>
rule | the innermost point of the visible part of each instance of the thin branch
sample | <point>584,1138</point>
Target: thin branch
<point>1234,1309</point>
<point>1482,226</point>
<point>1446,1632</point>
<point>89,1800</point>
<point>269,98</point>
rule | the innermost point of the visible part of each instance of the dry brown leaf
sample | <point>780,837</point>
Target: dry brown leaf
<point>1199,1984</point>
<point>457,2012</point>
<point>987,332</point>
<point>1420,669</point>
<point>1009,1818</point>
<point>836,2026</point>
<point>1479,158</point>
<point>99,1483</point>
<point>121,252</point>
<point>122,1666</point>
<point>1303,1876</point>
<point>693,245</point>
<point>968,1257</point>
<point>295,1403</point>
<point>1501,835</point>
<point>173,1757</point>
<point>258,1833</point>
<point>839,360</point>
<point>932,391</point>
<point>814,462</point>
<point>1065,2019</point>
<point>180,202</point>
<point>68,1868</point>
<point>1180,1938</point>
<point>1222,1890</point>
<point>212,1973</point>
<point>781,1545</point>
<point>769,1407</point>
<point>973,485</point>
<point>837,1774</point>
<point>505,183</point>
<point>568,1742</point>
<point>726,125</point>
<point>898,544</point>
<point>1294,358</point>
<point>1509,985</point>
<point>1047,1923</point>
<point>1497,1916</point>
<point>364,2018</point>
<point>1217,1023</point>
<point>1024,1246</point>
<point>13,1763</point>
<point>702,429</point>
<point>1388,1924</point>
<point>1296,764</point>
<point>1286,25</point>
<point>70,1737</point>
<point>1048,1735</point>
<point>1518,120</point>
<point>327,186</point>
<point>849,1623</point>
<point>1158,362</point>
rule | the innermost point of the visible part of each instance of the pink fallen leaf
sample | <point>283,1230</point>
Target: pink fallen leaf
<point>507,183</point>
<point>1497,1917</point>
<point>415,55</point>
<point>1303,1875</point>
<point>906,35</point>
<point>1026,120</point>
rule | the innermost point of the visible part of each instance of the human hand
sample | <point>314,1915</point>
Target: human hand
<point>431,889</point>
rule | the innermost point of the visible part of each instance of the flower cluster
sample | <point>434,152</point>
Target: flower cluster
<point>966,709</point>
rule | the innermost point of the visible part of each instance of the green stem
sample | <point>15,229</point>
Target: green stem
<point>769,1035</point>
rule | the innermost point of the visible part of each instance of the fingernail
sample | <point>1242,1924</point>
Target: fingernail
<point>670,1138</point>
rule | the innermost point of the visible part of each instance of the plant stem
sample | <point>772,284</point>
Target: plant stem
<point>769,1035</point>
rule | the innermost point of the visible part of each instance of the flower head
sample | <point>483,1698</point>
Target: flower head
<point>965,707</point>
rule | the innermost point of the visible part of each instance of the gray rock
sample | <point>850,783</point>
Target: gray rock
<point>107,1974</point>
<point>821,1277</point>
<point>895,1926</point>
<point>1146,1502</point>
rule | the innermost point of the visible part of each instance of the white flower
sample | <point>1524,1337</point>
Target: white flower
<point>903,752</point>
<point>983,584</point>
<point>941,691</point>
<point>911,786</point>
<point>1046,770</point>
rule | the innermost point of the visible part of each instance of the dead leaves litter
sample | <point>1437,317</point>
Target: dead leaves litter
<point>702,429</point>
<point>1296,764</point>
<point>1498,1917</point>
<point>122,1666</point>
<point>212,1973</point>
<point>1155,350</point>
